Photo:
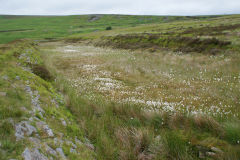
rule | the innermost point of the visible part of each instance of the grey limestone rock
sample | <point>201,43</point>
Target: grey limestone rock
<point>3,94</point>
<point>33,155</point>
<point>64,123</point>
<point>24,128</point>
<point>49,150</point>
<point>61,153</point>
<point>217,150</point>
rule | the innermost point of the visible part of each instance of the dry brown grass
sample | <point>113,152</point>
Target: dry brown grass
<point>136,142</point>
<point>204,122</point>
<point>178,121</point>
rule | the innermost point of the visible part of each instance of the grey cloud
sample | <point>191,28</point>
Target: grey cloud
<point>148,7</point>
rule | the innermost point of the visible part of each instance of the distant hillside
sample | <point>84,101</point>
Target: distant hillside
<point>50,27</point>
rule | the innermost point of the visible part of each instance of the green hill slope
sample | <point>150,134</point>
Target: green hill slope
<point>50,27</point>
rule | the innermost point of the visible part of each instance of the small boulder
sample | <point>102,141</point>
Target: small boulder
<point>217,150</point>
<point>63,122</point>
<point>48,131</point>
<point>18,78</point>
<point>5,77</point>
<point>77,141</point>
<point>24,128</point>
<point>61,153</point>
<point>44,127</point>
<point>73,150</point>
<point>33,155</point>
<point>3,94</point>
<point>36,142</point>
<point>49,150</point>
<point>201,155</point>
<point>211,154</point>
<point>71,143</point>
<point>90,146</point>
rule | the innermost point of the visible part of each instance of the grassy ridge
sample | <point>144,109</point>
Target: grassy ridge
<point>17,106</point>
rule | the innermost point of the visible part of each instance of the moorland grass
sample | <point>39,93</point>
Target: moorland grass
<point>128,130</point>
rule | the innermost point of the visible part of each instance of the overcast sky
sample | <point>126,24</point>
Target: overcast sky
<point>139,7</point>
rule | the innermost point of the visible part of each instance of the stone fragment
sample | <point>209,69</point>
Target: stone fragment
<point>44,127</point>
<point>217,150</point>
<point>201,155</point>
<point>36,142</point>
<point>77,141</point>
<point>24,128</point>
<point>90,146</point>
<point>3,94</point>
<point>73,150</point>
<point>48,131</point>
<point>211,154</point>
<point>11,121</point>
<point>5,77</point>
<point>35,99</point>
<point>18,78</point>
<point>58,141</point>
<point>61,153</point>
<point>33,155</point>
<point>71,143</point>
<point>49,150</point>
<point>55,103</point>
<point>23,109</point>
<point>63,122</point>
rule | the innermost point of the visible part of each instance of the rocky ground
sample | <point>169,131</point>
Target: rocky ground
<point>47,129</point>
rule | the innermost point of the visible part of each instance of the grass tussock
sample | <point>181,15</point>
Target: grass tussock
<point>207,123</point>
<point>135,143</point>
<point>177,146</point>
<point>42,72</point>
<point>232,132</point>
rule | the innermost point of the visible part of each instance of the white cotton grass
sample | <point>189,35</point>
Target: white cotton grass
<point>192,91</point>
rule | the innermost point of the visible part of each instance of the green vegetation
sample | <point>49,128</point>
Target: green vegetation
<point>156,42</point>
<point>109,28</point>
<point>152,87</point>
<point>55,27</point>
<point>17,104</point>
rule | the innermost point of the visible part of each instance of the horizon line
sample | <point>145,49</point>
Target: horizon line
<point>117,14</point>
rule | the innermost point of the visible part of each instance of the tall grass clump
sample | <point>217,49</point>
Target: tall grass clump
<point>177,146</point>
<point>232,132</point>
<point>207,124</point>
